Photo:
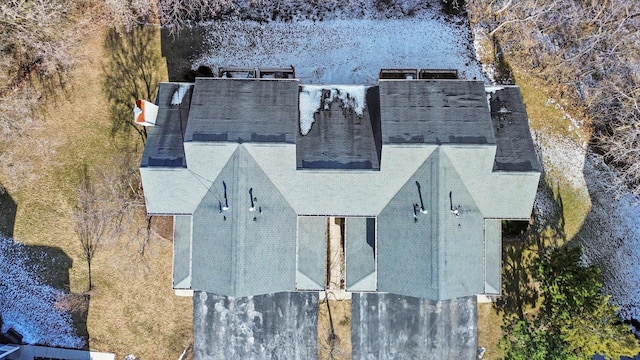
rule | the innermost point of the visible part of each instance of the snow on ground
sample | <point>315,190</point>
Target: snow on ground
<point>567,156</point>
<point>610,235</point>
<point>29,306</point>
<point>480,36</point>
<point>343,51</point>
<point>575,124</point>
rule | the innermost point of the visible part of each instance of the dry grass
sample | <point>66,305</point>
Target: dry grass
<point>132,309</point>
<point>489,331</point>
<point>340,348</point>
<point>550,124</point>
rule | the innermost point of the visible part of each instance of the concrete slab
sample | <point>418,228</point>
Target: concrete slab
<point>387,326</point>
<point>272,326</point>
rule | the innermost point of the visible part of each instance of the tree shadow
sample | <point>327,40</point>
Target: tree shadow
<point>8,210</point>
<point>180,49</point>
<point>504,72</point>
<point>130,72</point>
<point>52,267</point>
<point>522,243</point>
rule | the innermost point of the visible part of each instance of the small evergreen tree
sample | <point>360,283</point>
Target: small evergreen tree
<point>576,319</point>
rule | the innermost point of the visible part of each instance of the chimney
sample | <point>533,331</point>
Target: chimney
<point>145,113</point>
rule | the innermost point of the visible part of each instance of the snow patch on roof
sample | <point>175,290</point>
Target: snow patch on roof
<point>311,101</point>
<point>178,95</point>
<point>491,89</point>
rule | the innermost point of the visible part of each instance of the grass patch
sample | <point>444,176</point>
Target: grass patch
<point>565,209</point>
<point>132,309</point>
<point>576,204</point>
<point>544,115</point>
<point>489,331</point>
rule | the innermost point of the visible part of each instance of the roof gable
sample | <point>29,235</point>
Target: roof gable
<point>238,251</point>
<point>499,195</point>
<point>408,258</point>
<point>427,234</point>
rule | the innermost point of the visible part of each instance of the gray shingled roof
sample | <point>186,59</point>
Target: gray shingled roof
<point>360,238</point>
<point>439,257</point>
<point>493,256</point>
<point>164,146</point>
<point>312,253</point>
<point>434,112</point>
<point>182,252</point>
<point>239,252</point>
<point>511,127</point>
<point>433,256</point>
<point>335,192</point>
<point>342,139</point>
<point>171,191</point>
<point>243,110</point>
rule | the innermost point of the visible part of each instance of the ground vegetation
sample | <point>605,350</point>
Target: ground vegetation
<point>577,65</point>
<point>67,169</point>
<point>575,319</point>
<point>587,55</point>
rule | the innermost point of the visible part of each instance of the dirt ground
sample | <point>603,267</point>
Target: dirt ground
<point>340,347</point>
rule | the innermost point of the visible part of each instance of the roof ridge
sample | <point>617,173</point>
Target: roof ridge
<point>473,191</point>
<point>452,180</point>
<point>246,150</point>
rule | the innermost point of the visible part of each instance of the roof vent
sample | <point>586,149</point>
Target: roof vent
<point>398,74</point>
<point>237,73</point>
<point>454,210</point>
<point>438,74</point>
<point>277,73</point>
<point>145,113</point>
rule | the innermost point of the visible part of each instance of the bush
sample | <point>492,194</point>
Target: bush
<point>453,6</point>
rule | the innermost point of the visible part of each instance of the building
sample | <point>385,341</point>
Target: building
<point>31,352</point>
<point>419,173</point>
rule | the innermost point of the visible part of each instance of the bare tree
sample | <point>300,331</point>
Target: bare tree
<point>91,221</point>
<point>588,54</point>
<point>36,38</point>
<point>124,15</point>
<point>130,73</point>
<point>176,14</point>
